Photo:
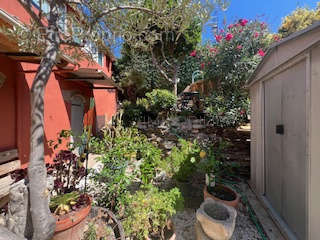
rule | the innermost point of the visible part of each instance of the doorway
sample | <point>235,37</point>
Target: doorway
<point>77,115</point>
<point>285,147</point>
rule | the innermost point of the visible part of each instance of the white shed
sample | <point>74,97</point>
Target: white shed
<point>285,138</point>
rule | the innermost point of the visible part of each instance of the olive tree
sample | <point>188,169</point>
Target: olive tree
<point>89,21</point>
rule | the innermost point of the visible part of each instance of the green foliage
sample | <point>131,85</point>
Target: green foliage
<point>213,162</point>
<point>182,161</point>
<point>151,158</point>
<point>170,52</point>
<point>148,210</point>
<point>157,101</point>
<point>132,113</point>
<point>64,199</point>
<point>229,62</point>
<point>187,67</point>
<point>136,73</point>
<point>226,112</point>
<point>299,19</point>
<point>161,100</point>
<point>126,147</point>
<point>91,233</point>
<point>232,59</point>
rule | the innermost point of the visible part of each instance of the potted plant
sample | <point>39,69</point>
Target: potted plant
<point>68,204</point>
<point>213,169</point>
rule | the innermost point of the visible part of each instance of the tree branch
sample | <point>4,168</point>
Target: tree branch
<point>164,56</point>
<point>71,43</point>
<point>119,8</point>
<point>27,5</point>
<point>156,63</point>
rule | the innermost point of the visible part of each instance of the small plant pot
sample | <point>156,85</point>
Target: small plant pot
<point>71,225</point>
<point>222,194</point>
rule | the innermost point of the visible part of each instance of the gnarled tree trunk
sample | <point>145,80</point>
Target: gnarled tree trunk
<point>5,234</point>
<point>42,220</point>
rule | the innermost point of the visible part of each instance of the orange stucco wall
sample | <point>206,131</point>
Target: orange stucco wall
<point>15,99</point>
<point>56,107</point>
<point>106,104</point>
<point>8,116</point>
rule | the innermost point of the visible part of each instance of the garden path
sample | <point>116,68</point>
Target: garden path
<point>237,151</point>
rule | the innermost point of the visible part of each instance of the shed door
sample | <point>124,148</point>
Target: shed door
<point>285,154</point>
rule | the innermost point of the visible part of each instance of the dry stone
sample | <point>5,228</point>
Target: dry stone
<point>217,220</point>
<point>18,218</point>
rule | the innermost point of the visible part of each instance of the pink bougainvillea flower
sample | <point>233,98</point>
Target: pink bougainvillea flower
<point>230,26</point>
<point>193,53</point>
<point>218,38</point>
<point>243,22</point>
<point>263,25</point>
<point>238,25</point>
<point>229,36</point>
<point>261,52</point>
<point>221,31</point>
<point>240,30</point>
<point>242,112</point>
<point>239,47</point>
<point>276,38</point>
<point>256,34</point>
<point>202,65</point>
<point>213,50</point>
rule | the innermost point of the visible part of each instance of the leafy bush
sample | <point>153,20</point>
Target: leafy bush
<point>132,113</point>
<point>183,160</point>
<point>213,161</point>
<point>161,100</point>
<point>237,51</point>
<point>147,211</point>
<point>151,158</point>
<point>67,170</point>
<point>227,111</point>
<point>127,157</point>
<point>299,19</point>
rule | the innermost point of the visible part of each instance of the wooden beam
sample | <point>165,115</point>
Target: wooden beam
<point>5,184</point>
<point>8,155</point>
<point>4,201</point>
<point>9,167</point>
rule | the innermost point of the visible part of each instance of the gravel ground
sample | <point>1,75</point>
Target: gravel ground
<point>184,222</point>
<point>184,225</point>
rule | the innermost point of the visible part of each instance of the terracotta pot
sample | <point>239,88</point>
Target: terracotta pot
<point>232,203</point>
<point>71,225</point>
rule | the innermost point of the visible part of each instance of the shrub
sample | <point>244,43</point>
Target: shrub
<point>68,170</point>
<point>132,113</point>
<point>151,158</point>
<point>128,156</point>
<point>161,100</point>
<point>227,111</point>
<point>228,63</point>
<point>183,160</point>
<point>147,211</point>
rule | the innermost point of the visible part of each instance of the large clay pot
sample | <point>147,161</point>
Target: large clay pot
<point>71,225</point>
<point>232,203</point>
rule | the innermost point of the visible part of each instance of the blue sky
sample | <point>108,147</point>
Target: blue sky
<point>269,11</point>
